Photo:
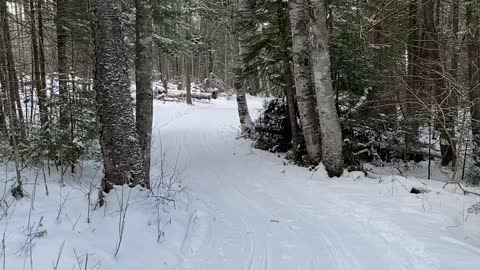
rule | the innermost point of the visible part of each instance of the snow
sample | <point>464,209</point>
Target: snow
<point>242,209</point>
